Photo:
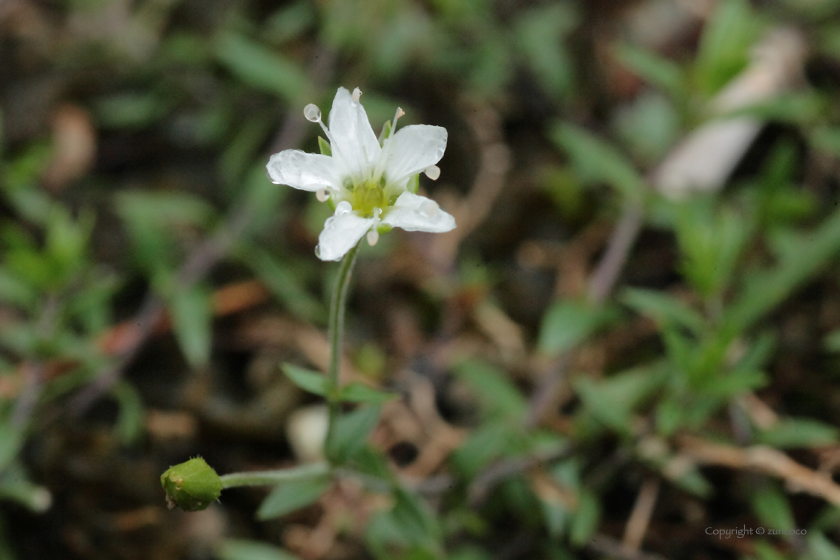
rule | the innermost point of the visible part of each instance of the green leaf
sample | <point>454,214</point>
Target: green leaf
<point>693,482</point>
<point>352,431</point>
<point>663,308</point>
<point>538,31</point>
<point>730,32</point>
<point>152,217</point>
<point>831,342</point>
<point>283,282</point>
<point>260,67</point>
<point>131,110</point>
<point>131,412</point>
<point>585,519</point>
<point>765,289</point>
<point>192,317</point>
<point>766,551</point>
<point>711,240</point>
<point>361,393</point>
<point>820,548</point>
<point>242,549</point>
<point>15,291</point>
<point>649,127</point>
<point>498,396</point>
<point>655,69</point>
<point>568,323</point>
<point>772,508</point>
<point>308,380</point>
<point>16,486</point>
<point>409,526</point>
<point>598,162</point>
<point>291,496</point>
<point>11,441</point>
<point>612,400</point>
<point>485,444</point>
<point>243,149</point>
<point>733,383</point>
<point>826,139</point>
<point>799,432</point>
<point>670,417</point>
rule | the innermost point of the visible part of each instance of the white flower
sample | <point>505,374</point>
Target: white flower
<point>367,182</point>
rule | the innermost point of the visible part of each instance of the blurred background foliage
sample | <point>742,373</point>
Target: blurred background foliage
<point>602,361</point>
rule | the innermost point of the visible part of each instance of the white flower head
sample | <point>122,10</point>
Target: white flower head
<point>368,182</point>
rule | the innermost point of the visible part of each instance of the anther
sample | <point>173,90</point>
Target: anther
<point>432,172</point>
<point>357,93</point>
<point>322,195</point>
<point>430,208</point>
<point>372,237</point>
<point>312,113</point>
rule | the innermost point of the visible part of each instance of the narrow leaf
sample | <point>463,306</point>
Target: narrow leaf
<point>308,380</point>
<point>352,431</point>
<point>242,549</point>
<point>291,496</point>
<point>568,323</point>
<point>192,315</point>
<point>597,161</point>
<point>360,393</point>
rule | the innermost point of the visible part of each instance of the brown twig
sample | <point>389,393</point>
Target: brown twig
<point>765,460</point>
<point>634,532</point>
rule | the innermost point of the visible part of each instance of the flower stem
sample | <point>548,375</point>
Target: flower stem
<point>270,478</point>
<point>336,327</point>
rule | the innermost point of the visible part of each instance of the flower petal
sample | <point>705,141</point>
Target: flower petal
<point>411,212</point>
<point>341,233</point>
<point>308,172</point>
<point>353,139</point>
<point>412,149</point>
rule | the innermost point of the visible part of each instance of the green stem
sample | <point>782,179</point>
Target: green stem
<point>270,478</point>
<point>336,326</point>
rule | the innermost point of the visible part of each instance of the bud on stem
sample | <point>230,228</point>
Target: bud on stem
<point>191,486</point>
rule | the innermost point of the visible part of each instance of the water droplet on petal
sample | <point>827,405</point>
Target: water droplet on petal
<point>343,208</point>
<point>318,251</point>
<point>312,113</point>
<point>322,195</point>
<point>372,237</point>
<point>432,172</point>
<point>430,208</point>
<point>357,93</point>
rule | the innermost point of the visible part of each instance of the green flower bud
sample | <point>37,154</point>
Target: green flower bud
<point>191,486</point>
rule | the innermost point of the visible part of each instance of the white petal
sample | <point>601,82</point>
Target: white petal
<point>408,213</point>
<point>353,139</point>
<point>413,149</point>
<point>308,172</point>
<point>341,233</point>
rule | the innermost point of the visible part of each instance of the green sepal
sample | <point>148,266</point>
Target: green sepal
<point>386,132</point>
<point>191,486</point>
<point>413,184</point>
<point>324,146</point>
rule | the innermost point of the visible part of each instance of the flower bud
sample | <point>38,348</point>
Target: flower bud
<point>191,486</point>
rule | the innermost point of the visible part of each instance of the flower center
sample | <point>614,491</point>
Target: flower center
<point>368,196</point>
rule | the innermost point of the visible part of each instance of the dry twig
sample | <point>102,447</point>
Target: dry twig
<point>765,460</point>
